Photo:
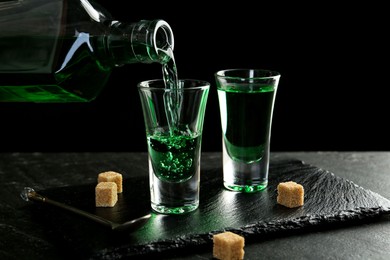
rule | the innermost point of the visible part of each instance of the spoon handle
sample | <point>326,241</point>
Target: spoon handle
<point>30,194</point>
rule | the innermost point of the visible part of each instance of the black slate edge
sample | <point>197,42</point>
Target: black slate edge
<point>199,242</point>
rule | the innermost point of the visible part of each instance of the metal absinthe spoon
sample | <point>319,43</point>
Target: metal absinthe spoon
<point>29,194</point>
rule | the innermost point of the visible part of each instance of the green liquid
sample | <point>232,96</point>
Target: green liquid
<point>246,118</point>
<point>50,54</point>
<point>172,98</point>
<point>173,156</point>
<point>65,78</point>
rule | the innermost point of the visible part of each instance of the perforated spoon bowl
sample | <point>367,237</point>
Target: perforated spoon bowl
<point>29,194</point>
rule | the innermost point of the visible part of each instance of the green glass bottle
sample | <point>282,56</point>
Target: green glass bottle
<point>65,50</point>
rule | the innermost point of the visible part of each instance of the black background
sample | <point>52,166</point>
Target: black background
<point>332,95</point>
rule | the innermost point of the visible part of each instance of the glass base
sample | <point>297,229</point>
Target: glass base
<point>245,176</point>
<point>246,188</point>
<point>174,210</point>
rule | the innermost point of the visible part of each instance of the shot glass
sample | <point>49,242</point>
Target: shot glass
<point>174,123</point>
<point>246,102</point>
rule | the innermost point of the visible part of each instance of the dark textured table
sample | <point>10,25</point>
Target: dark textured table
<point>29,231</point>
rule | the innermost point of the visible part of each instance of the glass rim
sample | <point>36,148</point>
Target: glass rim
<point>273,73</point>
<point>150,84</point>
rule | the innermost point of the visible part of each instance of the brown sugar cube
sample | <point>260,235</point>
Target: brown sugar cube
<point>290,194</point>
<point>106,194</point>
<point>228,246</point>
<point>113,177</point>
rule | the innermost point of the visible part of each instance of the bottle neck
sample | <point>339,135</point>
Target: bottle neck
<point>142,42</point>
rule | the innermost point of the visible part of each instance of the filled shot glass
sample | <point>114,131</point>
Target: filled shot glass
<point>174,123</point>
<point>246,101</point>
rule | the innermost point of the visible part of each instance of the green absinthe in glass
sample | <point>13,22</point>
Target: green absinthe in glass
<point>174,156</point>
<point>246,118</point>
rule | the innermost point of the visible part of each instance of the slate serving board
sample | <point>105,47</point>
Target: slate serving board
<point>330,201</point>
